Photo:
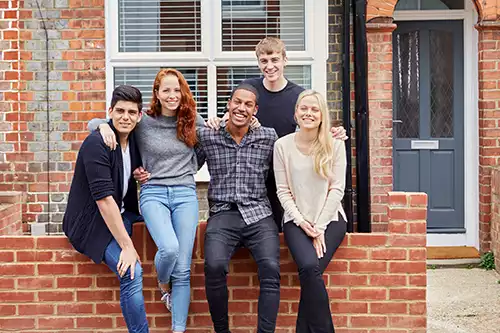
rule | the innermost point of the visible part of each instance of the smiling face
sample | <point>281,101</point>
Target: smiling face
<point>308,113</point>
<point>125,116</point>
<point>272,65</point>
<point>242,106</point>
<point>169,93</point>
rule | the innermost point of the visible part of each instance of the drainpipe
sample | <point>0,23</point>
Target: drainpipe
<point>361,107</point>
<point>346,109</point>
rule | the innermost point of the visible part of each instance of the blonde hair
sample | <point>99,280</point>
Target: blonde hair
<point>322,148</point>
<point>270,45</point>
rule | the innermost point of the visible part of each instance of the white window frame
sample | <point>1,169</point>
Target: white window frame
<point>211,55</point>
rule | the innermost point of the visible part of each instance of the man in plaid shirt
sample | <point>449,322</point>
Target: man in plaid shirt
<point>239,159</point>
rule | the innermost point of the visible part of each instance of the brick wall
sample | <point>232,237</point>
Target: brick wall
<point>11,213</point>
<point>489,121</point>
<point>376,282</point>
<point>380,119</point>
<point>38,147</point>
<point>495,216</point>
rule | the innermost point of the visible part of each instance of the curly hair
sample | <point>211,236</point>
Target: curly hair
<point>186,112</point>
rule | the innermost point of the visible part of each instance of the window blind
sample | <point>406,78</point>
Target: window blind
<point>143,79</point>
<point>159,26</point>
<point>245,23</point>
<point>230,77</point>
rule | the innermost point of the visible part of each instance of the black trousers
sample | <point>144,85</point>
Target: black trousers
<point>314,314</point>
<point>226,232</point>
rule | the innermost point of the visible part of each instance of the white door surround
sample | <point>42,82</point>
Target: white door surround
<point>471,121</point>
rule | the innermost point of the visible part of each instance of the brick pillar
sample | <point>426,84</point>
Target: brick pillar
<point>9,92</point>
<point>489,121</point>
<point>380,119</point>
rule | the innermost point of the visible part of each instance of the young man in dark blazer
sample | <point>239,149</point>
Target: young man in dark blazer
<point>102,204</point>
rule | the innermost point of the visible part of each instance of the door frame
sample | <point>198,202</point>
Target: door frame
<point>471,121</point>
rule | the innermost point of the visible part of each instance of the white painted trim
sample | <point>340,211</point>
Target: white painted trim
<point>429,15</point>
<point>315,55</point>
<point>471,122</point>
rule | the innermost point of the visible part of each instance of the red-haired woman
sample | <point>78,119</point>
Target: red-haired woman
<point>166,138</point>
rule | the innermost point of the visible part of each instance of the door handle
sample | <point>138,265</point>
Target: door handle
<point>397,121</point>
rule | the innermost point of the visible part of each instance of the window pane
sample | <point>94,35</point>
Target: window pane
<point>159,25</point>
<point>245,23</point>
<point>143,78</point>
<point>230,77</point>
<point>407,70</point>
<point>429,4</point>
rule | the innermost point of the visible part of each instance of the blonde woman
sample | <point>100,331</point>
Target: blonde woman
<point>310,167</point>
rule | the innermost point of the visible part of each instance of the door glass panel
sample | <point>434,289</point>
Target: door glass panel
<point>441,71</point>
<point>407,69</point>
<point>429,4</point>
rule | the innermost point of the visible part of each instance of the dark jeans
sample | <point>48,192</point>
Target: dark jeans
<point>226,232</point>
<point>131,297</point>
<point>314,314</point>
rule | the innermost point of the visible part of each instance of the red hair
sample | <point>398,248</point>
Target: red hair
<point>186,112</point>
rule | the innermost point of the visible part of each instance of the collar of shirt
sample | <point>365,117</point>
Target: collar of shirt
<point>225,132</point>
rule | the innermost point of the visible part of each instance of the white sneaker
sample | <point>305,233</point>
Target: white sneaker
<point>165,298</point>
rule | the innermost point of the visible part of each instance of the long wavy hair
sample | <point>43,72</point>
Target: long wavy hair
<point>186,112</point>
<point>322,148</point>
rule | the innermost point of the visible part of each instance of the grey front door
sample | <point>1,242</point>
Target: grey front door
<point>428,118</point>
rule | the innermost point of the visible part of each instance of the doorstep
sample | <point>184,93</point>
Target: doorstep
<point>452,252</point>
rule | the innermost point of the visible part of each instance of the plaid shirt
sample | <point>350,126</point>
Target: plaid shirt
<point>238,173</point>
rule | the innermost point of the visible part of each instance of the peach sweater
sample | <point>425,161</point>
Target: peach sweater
<point>304,195</point>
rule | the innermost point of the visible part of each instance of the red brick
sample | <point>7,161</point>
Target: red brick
<point>17,297</point>
<point>407,267</point>
<point>408,322</point>
<point>368,240</point>
<point>35,256</point>
<point>55,269</point>
<point>349,307</point>
<point>397,199</point>
<point>56,323</point>
<point>388,280</point>
<point>55,296</point>
<point>368,294</point>
<point>35,309</point>
<point>113,308</point>
<point>407,294</point>
<point>369,321</point>
<point>94,322</point>
<point>7,310</point>
<point>17,269</point>
<point>6,256</point>
<point>10,324</point>
<point>74,282</point>
<point>388,307</point>
<point>367,267</point>
<point>53,243</point>
<point>388,254</point>
<point>15,243</point>
<point>94,295</point>
<point>7,283</point>
<point>348,280</point>
<point>75,308</point>
<point>351,253</point>
<point>35,283</point>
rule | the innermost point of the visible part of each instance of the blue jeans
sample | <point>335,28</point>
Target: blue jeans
<point>131,297</point>
<point>171,216</point>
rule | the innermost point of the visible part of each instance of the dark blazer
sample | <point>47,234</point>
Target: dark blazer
<point>98,174</point>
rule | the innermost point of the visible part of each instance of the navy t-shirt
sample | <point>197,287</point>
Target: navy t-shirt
<point>276,108</point>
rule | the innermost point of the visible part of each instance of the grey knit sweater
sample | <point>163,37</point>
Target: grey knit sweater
<point>168,159</point>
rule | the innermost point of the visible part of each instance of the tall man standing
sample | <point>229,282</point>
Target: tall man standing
<point>239,159</point>
<point>102,204</point>
<point>277,99</point>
